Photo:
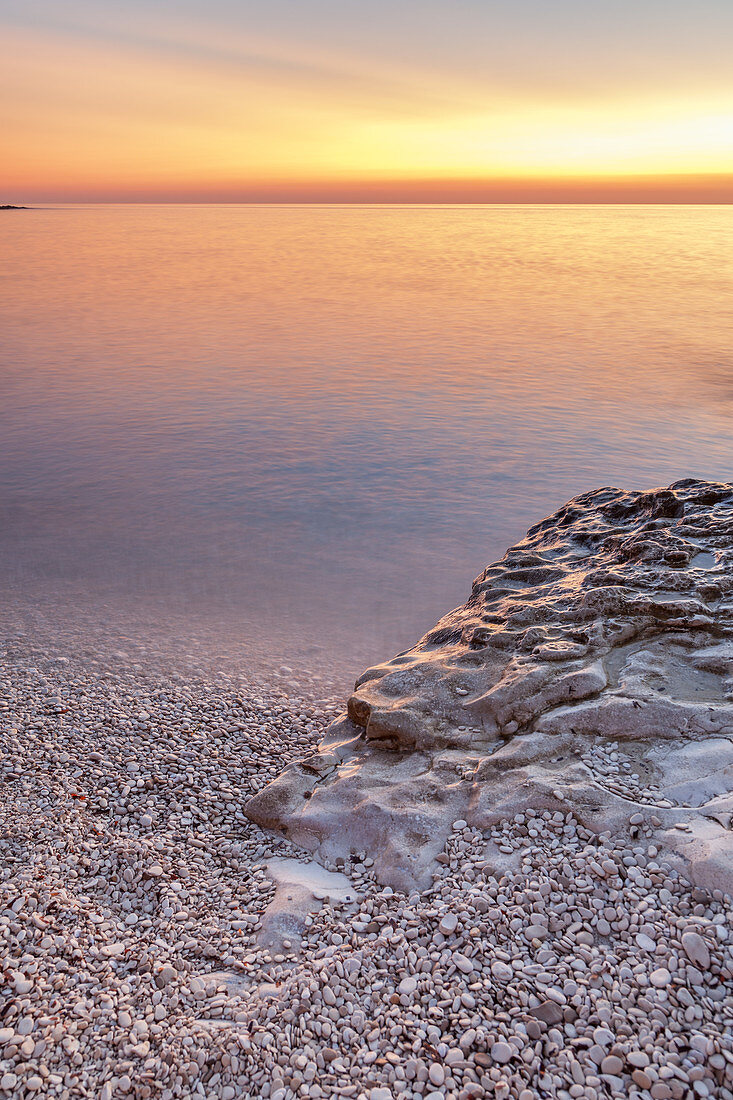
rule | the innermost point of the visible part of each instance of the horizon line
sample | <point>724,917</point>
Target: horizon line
<point>678,189</point>
<point>371,200</point>
<point>38,204</point>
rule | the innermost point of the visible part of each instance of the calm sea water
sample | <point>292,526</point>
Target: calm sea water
<point>312,426</point>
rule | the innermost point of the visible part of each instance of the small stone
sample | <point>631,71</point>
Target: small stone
<point>660,977</point>
<point>502,971</point>
<point>535,932</point>
<point>641,1079</point>
<point>436,1073</point>
<point>702,1043</point>
<point>113,950</point>
<point>407,986</point>
<point>611,1064</point>
<point>501,1052</point>
<point>696,949</point>
<point>448,924</point>
<point>464,964</point>
<point>549,1012</point>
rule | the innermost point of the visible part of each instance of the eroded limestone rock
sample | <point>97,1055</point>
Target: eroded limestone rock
<point>590,669</point>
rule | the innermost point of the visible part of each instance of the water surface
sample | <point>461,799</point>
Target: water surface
<point>311,426</point>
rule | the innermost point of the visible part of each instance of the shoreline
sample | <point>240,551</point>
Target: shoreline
<point>543,961</point>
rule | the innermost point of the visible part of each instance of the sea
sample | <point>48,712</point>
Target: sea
<point>302,430</point>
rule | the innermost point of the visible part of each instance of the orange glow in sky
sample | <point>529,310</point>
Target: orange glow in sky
<point>317,100</point>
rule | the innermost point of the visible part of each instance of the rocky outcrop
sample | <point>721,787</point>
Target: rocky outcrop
<point>590,670</point>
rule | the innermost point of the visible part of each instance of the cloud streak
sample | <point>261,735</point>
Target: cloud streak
<point>166,105</point>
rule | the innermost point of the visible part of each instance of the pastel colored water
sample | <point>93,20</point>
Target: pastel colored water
<point>314,425</point>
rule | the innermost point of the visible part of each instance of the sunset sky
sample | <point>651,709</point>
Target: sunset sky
<point>418,100</point>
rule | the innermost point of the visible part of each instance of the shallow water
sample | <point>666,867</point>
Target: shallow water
<point>313,426</point>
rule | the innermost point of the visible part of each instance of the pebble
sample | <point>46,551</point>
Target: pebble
<point>501,1052</point>
<point>696,949</point>
<point>436,1073</point>
<point>535,932</point>
<point>448,924</point>
<point>660,977</point>
<point>549,1012</point>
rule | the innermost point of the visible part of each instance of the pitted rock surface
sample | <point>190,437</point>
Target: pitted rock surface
<point>591,670</point>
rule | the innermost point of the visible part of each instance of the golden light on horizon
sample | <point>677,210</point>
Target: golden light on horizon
<point>116,118</point>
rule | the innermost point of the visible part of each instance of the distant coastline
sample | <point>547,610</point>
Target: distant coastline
<point>7,207</point>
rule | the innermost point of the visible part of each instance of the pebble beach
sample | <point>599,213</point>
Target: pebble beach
<point>544,960</point>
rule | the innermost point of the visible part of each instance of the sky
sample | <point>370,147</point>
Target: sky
<point>366,100</point>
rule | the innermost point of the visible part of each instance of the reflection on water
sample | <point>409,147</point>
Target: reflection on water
<point>319,423</point>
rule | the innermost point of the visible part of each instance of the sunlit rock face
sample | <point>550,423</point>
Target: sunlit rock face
<point>591,670</point>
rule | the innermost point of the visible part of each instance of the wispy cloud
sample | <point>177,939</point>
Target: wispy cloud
<point>162,98</point>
